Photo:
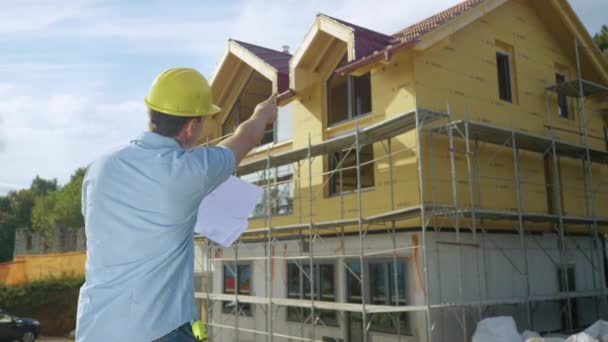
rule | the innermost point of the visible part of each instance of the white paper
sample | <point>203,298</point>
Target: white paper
<point>223,214</point>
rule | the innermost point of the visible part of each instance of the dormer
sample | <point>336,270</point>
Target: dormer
<point>328,42</point>
<point>246,75</point>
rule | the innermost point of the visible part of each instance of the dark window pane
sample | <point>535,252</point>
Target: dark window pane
<point>326,280</point>
<point>363,95</point>
<point>398,295</point>
<point>293,281</point>
<point>562,100</point>
<point>379,286</point>
<point>256,90</point>
<point>354,284</point>
<point>229,278</point>
<point>337,97</point>
<point>268,135</point>
<point>504,77</point>
<point>244,279</point>
<point>244,274</point>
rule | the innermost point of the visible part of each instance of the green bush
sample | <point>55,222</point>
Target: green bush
<point>53,302</point>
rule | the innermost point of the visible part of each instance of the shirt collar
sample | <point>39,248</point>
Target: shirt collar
<point>155,140</point>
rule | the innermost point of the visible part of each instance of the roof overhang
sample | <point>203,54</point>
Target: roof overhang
<point>326,25</point>
<point>247,57</point>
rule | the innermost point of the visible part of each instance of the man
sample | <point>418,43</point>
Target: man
<point>140,205</point>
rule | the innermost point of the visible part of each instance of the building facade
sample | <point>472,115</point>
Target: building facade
<point>417,182</point>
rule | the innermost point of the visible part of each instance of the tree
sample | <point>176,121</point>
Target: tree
<point>69,201</point>
<point>16,212</point>
<point>41,186</point>
<point>60,208</point>
<point>601,39</point>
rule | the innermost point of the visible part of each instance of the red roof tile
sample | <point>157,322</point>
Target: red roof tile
<point>415,31</point>
<point>408,35</point>
<point>277,59</point>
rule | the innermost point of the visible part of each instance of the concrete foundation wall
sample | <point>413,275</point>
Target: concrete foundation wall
<point>491,269</point>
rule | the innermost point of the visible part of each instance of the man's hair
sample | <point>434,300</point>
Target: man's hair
<point>167,125</point>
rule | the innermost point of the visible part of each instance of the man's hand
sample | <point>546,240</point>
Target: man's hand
<point>249,134</point>
<point>267,109</point>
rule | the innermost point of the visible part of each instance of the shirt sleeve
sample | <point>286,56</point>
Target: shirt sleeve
<point>214,164</point>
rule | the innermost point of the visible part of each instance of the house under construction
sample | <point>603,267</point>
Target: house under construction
<point>417,182</point>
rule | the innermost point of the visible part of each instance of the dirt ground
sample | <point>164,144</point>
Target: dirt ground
<point>53,339</point>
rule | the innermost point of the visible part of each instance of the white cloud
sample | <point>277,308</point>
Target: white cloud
<point>53,134</point>
<point>54,124</point>
<point>20,16</point>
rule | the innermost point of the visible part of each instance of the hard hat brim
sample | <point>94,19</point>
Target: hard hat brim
<point>212,110</point>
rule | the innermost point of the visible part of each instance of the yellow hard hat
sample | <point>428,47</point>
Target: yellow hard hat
<point>181,92</point>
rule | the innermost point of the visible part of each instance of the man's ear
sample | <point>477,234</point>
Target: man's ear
<point>189,127</point>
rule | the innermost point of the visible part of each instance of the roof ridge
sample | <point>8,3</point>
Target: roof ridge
<point>430,23</point>
<point>240,42</point>
<point>344,22</point>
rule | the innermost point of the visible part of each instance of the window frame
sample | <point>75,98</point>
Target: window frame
<point>387,263</point>
<point>506,56</point>
<point>304,313</point>
<point>562,100</point>
<point>350,96</point>
<point>244,308</point>
<point>335,184</point>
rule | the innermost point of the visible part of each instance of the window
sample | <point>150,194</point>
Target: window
<point>504,77</point>
<point>281,190</point>
<point>571,286</point>
<point>344,163</point>
<point>385,285</point>
<point>244,286</point>
<point>562,100</point>
<point>298,287</point>
<point>347,96</point>
<point>256,89</point>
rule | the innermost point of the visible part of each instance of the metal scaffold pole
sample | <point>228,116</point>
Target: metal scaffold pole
<point>561,232</point>
<point>311,276</point>
<point>393,232</point>
<point>456,221</point>
<point>473,209</point>
<point>361,237</point>
<point>589,175</point>
<point>269,250</point>
<point>521,227</point>
<point>427,300</point>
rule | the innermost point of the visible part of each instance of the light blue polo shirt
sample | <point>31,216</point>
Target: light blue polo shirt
<point>140,205</point>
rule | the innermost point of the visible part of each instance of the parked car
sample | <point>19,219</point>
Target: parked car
<point>18,328</point>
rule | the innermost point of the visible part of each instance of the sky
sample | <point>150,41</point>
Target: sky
<point>73,77</point>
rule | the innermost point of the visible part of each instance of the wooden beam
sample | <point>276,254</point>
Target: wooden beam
<point>321,55</point>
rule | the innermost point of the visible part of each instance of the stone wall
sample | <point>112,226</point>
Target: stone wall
<point>62,240</point>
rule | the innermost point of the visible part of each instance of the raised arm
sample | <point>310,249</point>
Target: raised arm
<point>249,134</point>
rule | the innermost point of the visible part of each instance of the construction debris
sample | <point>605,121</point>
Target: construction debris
<point>503,329</point>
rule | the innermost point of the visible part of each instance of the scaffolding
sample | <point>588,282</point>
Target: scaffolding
<point>433,217</point>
